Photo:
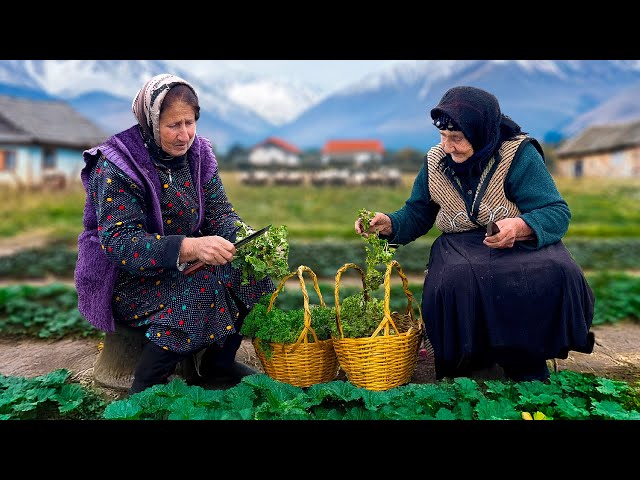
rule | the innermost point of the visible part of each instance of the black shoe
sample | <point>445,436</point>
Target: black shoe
<point>236,371</point>
<point>533,371</point>
<point>212,374</point>
<point>492,372</point>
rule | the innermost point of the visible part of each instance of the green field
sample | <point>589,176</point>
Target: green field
<point>600,208</point>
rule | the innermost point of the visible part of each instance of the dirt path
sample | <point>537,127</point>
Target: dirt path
<point>616,355</point>
<point>32,239</point>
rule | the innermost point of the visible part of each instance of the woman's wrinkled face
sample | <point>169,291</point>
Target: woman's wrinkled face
<point>177,128</point>
<point>456,144</point>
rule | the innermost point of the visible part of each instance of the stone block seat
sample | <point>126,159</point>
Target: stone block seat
<point>116,363</point>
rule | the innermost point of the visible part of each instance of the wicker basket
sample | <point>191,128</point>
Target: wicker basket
<point>388,357</point>
<point>303,363</point>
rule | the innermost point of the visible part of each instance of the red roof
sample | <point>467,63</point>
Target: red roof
<point>286,146</point>
<point>350,146</point>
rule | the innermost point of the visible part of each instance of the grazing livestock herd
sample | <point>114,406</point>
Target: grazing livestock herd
<point>331,176</point>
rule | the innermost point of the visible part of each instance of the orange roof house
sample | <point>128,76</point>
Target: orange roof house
<point>357,152</point>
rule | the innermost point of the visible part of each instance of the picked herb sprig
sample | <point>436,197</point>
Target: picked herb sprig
<point>267,255</point>
<point>361,313</point>
<point>378,252</point>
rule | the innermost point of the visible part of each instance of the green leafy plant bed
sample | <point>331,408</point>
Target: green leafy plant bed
<point>48,397</point>
<point>617,297</point>
<point>567,396</point>
<point>325,256</point>
<point>49,311</point>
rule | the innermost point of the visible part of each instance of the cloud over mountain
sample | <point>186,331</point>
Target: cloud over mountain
<point>550,99</point>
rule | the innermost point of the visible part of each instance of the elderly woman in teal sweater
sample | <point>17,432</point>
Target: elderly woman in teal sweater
<point>506,301</point>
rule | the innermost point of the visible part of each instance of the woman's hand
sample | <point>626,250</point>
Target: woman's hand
<point>511,231</point>
<point>380,223</point>
<point>212,250</point>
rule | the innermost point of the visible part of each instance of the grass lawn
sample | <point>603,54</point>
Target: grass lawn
<point>600,208</point>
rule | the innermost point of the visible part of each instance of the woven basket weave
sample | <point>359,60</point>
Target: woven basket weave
<point>388,357</point>
<point>303,363</point>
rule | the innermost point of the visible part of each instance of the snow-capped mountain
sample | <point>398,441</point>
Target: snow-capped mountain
<point>237,106</point>
<point>550,99</point>
<point>544,97</point>
<point>621,108</point>
<point>223,90</point>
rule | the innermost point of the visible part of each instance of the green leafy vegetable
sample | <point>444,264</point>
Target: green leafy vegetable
<point>359,317</point>
<point>285,326</point>
<point>567,396</point>
<point>378,253</point>
<point>267,255</point>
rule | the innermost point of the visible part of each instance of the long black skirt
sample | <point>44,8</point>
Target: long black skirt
<point>487,305</point>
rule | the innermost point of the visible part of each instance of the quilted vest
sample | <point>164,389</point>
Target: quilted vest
<point>489,202</point>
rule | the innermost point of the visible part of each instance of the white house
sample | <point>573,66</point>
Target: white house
<point>41,142</point>
<point>274,152</point>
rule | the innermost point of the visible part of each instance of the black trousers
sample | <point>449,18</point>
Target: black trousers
<point>154,367</point>
<point>156,364</point>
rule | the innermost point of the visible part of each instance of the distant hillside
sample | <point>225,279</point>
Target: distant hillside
<point>550,99</point>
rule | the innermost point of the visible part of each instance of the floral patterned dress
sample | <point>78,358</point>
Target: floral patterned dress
<point>181,313</point>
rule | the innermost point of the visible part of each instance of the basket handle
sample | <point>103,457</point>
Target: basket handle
<point>339,273</point>
<point>387,318</point>
<point>305,297</point>
<point>387,294</point>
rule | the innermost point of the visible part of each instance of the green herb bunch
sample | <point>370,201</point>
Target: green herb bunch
<point>267,255</point>
<point>378,253</point>
<point>361,313</point>
<point>285,326</point>
<point>359,317</point>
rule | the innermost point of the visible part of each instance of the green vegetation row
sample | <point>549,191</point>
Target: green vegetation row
<point>325,258</point>
<point>50,311</point>
<point>567,396</point>
<point>601,208</point>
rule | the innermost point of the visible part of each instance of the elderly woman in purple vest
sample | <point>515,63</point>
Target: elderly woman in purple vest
<point>155,203</point>
<point>494,304</point>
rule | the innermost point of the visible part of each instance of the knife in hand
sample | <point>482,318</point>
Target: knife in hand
<point>199,265</point>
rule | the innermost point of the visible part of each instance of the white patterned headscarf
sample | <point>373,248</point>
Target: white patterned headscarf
<point>147,102</point>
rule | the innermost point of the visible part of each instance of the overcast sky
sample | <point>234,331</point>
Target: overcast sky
<point>326,74</point>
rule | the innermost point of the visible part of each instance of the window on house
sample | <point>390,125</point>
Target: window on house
<point>49,159</point>
<point>578,169</point>
<point>7,160</point>
<point>617,159</point>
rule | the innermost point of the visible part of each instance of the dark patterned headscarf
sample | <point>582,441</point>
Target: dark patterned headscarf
<point>146,108</point>
<point>476,113</point>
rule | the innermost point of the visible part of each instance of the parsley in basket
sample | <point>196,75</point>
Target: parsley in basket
<point>285,326</point>
<point>361,313</point>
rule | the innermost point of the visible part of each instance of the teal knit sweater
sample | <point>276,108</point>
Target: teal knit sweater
<point>528,184</point>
